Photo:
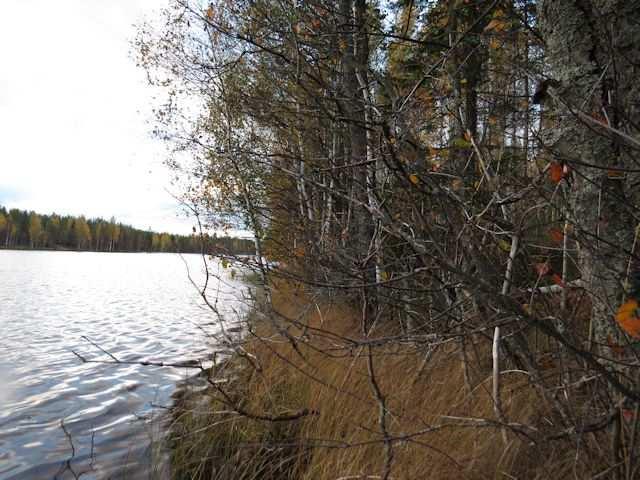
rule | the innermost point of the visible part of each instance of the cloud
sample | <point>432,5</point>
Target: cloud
<point>74,110</point>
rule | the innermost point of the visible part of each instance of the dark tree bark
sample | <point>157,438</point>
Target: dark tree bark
<point>593,48</point>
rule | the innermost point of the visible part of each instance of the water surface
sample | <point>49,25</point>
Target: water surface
<point>60,417</point>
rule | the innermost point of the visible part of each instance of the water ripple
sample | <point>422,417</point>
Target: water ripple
<point>138,307</point>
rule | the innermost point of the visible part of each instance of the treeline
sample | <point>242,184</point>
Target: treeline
<point>28,229</point>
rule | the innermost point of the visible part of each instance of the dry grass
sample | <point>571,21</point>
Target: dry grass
<point>328,375</point>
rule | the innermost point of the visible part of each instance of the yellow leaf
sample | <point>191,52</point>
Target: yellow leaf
<point>462,142</point>
<point>497,25</point>
<point>413,178</point>
<point>504,245</point>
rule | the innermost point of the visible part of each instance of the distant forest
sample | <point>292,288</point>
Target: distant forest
<point>28,229</point>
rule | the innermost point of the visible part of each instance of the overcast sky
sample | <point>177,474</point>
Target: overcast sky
<point>74,136</point>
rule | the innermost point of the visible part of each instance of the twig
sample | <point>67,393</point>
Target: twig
<point>496,381</point>
<point>382,417</point>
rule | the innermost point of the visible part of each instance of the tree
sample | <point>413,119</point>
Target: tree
<point>4,225</point>
<point>35,229</point>
<point>594,106</point>
<point>82,233</point>
<point>53,229</point>
<point>97,234</point>
<point>165,243</point>
<point>67,233</point>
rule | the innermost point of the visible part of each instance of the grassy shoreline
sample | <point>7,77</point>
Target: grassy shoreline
<point>297,401</point>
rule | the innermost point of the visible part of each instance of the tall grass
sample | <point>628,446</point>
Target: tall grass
<point>311,358</point>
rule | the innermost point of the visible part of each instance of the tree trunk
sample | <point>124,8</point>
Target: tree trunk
<point>593,48</point>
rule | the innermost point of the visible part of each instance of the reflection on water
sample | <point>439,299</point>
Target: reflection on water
<point>137,307</point>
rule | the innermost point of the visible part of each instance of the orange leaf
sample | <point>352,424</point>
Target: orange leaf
<point>627,317</point>
<point>557,279</point>
<point>615,174</point>
<point>556,172</point>
<point>599,117</point>
<point>556,235</point>
<point>413,178</point>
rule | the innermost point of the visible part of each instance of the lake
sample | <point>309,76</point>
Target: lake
<point>62,418</point>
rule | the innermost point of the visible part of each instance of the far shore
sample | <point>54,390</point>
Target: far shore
<point>63,249</point>
<point>79,250</point>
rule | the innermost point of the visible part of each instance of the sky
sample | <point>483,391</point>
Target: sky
<point>75,111</point>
